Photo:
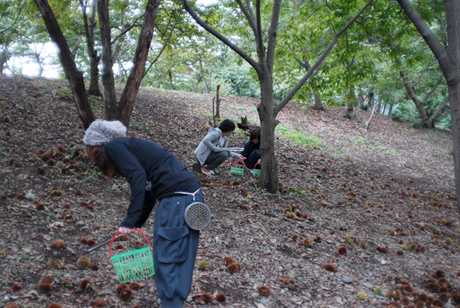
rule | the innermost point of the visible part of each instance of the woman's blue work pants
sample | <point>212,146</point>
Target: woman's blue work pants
<point>174,250</point>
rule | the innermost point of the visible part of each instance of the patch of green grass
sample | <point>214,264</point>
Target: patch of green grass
<point>359,140</point>
<point>369,143</point>
<point>374,146</point>
<point>299,138</point>
<point>65,94</point>
<point>433,132</point>
<point>392,152</point>
<point>299,191</point>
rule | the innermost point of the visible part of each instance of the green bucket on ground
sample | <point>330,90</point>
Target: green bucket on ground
<point>237,171</point>
<point>256,172</point>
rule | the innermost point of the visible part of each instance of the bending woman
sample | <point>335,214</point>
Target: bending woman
<point>153,173</point>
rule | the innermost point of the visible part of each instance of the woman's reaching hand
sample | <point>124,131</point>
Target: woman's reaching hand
<point>125,230</point>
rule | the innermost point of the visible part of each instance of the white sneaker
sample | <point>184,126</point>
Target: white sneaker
<point>207,171</point>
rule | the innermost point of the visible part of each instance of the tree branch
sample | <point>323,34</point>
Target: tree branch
<point>444,59</point>
<point>249,16</point>
<point>164,46</point>
<point>222,38</point>
<point>304,79</point>
<point>126,30</point>
<point>432,90</point>
<point>438,110</point>
<point>16,19</point>
<point>272,32</point>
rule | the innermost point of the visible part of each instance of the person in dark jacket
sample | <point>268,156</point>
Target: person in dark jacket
<point>153,173</point>
<point>251,149</point>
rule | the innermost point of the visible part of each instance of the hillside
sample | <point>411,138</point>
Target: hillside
<point>357,204</point>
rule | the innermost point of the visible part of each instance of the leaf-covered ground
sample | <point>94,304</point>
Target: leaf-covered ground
<point>357,223</point>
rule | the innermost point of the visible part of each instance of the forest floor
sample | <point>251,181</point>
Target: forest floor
<point>374,219</point>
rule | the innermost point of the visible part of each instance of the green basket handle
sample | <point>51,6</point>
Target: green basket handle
<point>239,160</point>
<point>137,230</point>
<point>255,166</point>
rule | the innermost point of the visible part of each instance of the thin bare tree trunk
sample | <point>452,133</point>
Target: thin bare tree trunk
<point>218,102</point>
<point>438,110</point>
<point>171,80</point>
<point>117,54</point>
<point>195,88</point>
<point>75,77</point>
<point>360,97</point>
<point>317,98</point>
<point>368,122</point>
<point>37,54</point>
<point>108,85</point>
<point>92,53</point>
<point>131,89</point>
<point>413,96</point>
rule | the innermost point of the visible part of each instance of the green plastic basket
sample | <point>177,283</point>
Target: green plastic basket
<point>133,265</point>
<point>237,171</point>
<point>256,172</point>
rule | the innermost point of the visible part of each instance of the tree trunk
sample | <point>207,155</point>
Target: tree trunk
<point>368,122</point>
<point>370,99</point>
<point>117,54</point>
<point>92,53</point>
<point>269,178</point>
<point>317,98</point>
<point>195,88</point>
<point>108,84</point>
<point>37,54</point>
<point>3,60</point>
<point>209,79</point>
<point>218,102</point>
<point>448,59</point>
<point>318,101</point>
<point>75,77</point>
<point>450,66</point>
<point>171,80</point>
<point>128,97</point>
<point>438,110</point>
<point>75,47</point>
<point>120,72</point>
<point>206,84</point>
<point>390,110</point>
<point>351,102</point>
<point>360,97</point>
<point>4,55</point>
<point>418,104</point>
<point>379,104</point>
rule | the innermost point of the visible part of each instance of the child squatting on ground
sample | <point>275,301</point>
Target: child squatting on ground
<point>145,164</point>
<point>210,152</point>
<point>251,150</point>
